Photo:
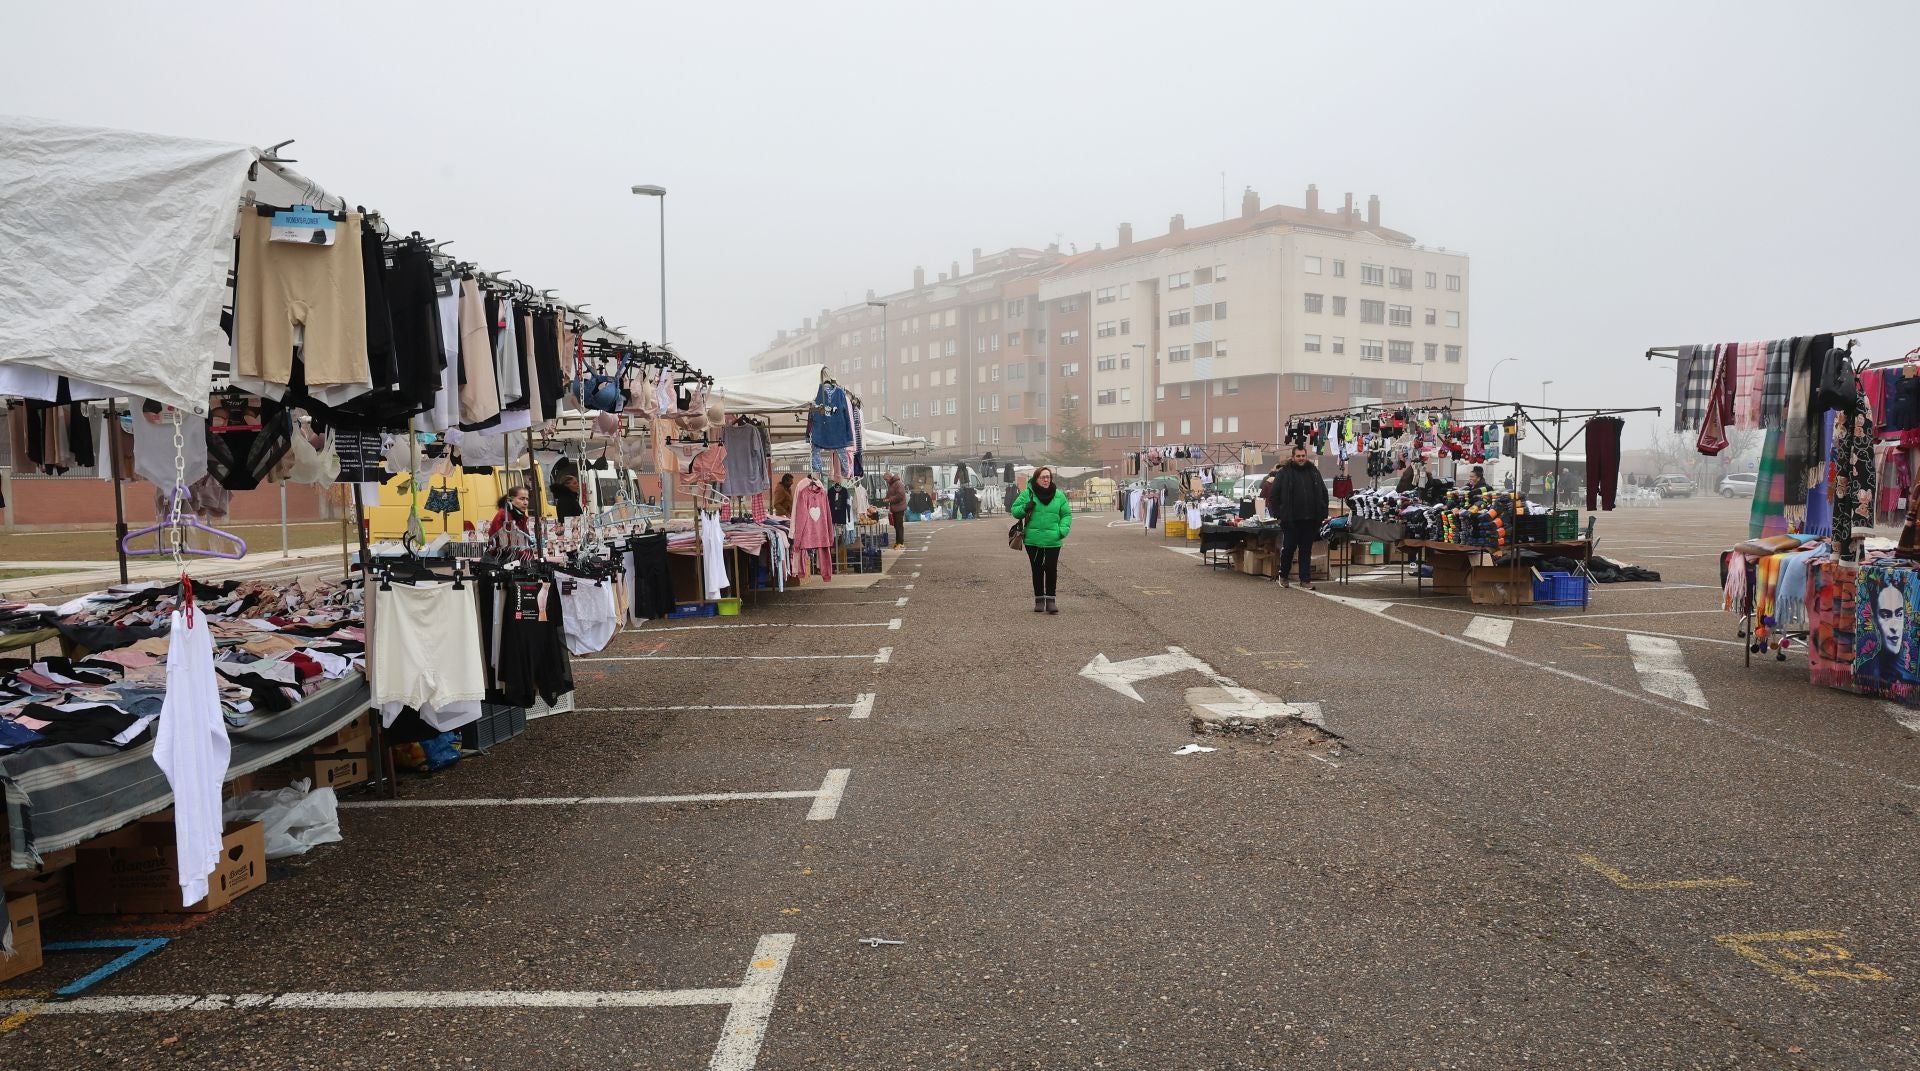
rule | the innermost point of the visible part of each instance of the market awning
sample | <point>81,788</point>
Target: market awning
<point>784,390</point>
<point>114,251</point>
<point>873,443</point>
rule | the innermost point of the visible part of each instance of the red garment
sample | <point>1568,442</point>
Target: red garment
<point>1713,429</point>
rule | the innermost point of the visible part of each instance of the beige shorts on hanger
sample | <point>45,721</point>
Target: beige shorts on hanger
<point>281,285</point>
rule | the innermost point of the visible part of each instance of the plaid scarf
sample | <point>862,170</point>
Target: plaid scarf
<point>1692,384</point>
<point>1776,381</point>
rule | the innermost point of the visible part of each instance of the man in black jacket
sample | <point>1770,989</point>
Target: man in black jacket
<point>1299,502</point>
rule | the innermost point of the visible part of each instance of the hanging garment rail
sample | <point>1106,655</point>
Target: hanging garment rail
<point>1673,352</point>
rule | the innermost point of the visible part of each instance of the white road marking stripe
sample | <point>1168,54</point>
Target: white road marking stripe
<point>1906,717</point>
<point>749,1005</point>
<point>901,601</point>
<point>1649,613</point>
<point>862,707</point>
<point>741,706</point>
<point>827,803</point>
<point>1636,697</point>
<point>893,625</point>
<point>881,659</point>
<point>1494,630</point>
<point>1663,670</point>
<point>770,624</point>
<point>724,657</point>
<point>1565,622</point>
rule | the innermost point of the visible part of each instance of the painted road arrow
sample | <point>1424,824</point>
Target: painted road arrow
<point>1120,676</point>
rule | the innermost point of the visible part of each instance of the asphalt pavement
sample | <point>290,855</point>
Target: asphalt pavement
<point>1501,838</point>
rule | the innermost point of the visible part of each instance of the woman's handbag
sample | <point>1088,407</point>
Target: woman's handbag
<point>1017,535</point>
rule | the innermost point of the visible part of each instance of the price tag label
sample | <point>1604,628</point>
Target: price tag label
<point>303,226</point>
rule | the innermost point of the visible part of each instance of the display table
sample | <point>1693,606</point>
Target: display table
<point>1458,567</point>
<point>61,794</point>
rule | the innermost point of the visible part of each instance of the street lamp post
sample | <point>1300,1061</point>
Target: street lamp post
<point>1544,384</point>
<point>1491,371</point>
<point>886,366</point>
<point>1142,347</point>
<point>666,479</point>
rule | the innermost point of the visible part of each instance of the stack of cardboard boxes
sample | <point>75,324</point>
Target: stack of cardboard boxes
<point>335,761</point>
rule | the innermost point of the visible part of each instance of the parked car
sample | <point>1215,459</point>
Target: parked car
<point>1738,485</point>
<point>1673,486</point>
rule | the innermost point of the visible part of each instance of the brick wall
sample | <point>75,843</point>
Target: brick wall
<point>81,501</point>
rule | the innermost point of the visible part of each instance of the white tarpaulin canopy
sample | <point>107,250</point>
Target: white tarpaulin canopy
<point>114,251</point>
<point>873,443</point>
<point>784,390</point>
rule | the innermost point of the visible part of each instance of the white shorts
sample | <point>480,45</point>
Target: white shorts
<point>426,653</point>
<point>589,611</point>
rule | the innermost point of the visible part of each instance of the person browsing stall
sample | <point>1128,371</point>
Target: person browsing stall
<point>511,528</point>
<point>1299,503</point>
<point>1048,517</point>
<point>896,503</point>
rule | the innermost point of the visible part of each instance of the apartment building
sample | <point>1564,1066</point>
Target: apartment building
<point>1214,333</point>
<point>1218,333</point>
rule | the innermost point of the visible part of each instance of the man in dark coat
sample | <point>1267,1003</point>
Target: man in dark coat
<point>1298,500</point>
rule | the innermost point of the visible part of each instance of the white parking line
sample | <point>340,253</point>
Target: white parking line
<point>1663,670</point>
<point>862,707</point>
<point>730,657</point>
<point>834,786</point>
<point>749,1005</point>
<point>894,624</point>
<point>855,706</point>
<point>1494,630</point>
<point>884,656</point>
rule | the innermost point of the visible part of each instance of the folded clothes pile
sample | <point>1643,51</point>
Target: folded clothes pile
<point>274,645</point>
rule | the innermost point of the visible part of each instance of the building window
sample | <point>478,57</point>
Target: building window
<point>1016,307</point>
<point>1397,387</point>
<point>1104,296</point>
<point>1433,317</point>
<point>1071,304</point>
<point>1219,388</point>
<point>1103,364</point>
<point>1315,302</point>
<point>1219,310</point>
<point>1373,275</point>
<point>1220,348</point>
<point>1203,275</point>
<point>1370,350</point>
<point>1068,338</point>
<point>1219,273</point>
<point>1400,315</point>
<point>1373,312</point>
<point>953,437</point>
<point>1126,327</point>
<point>1233,384</point>
<point>1203,349</point>
<point>980,405</point>
<point>1453,283</point>
<point>953,347</point>
<point>953,406</point>
<point>1070,368</point>
<point>1160,393</point>
<point>1126,395</point>
<point>1313,266</point>
<point>1219,425</point>
<point>1433,351</point>
<point>1327,384</point>
<point>953,376</point>
<point>1179,317</point>
<point>1186,427</point>
<point>995,407</point>
<point>1339,269</point>
<point>980,436</point>
<point>1105,329</point>
<point>994,339</point>
<point>1013,340</point>
<point>1013,401</point>
<point>1400,352</point>
<point>950,317</point>
<point>1453,318</point>
<point>1339,305</point>
<point>1179,281</point>
<point>1312,343</point>
<point>1179,353</point>
<point>1159,428</point>
<point>996,433</point>
<point>1453,355</point>
<point>1017,371</point>
<point>1339,343</point>
<point>1302,383</point>
<point>1233,425</point>
<point>1105,397</point>
<point>1400,278</point>
<point>1433,280</point>
<point>980,345</point>
<point>1202,313</point>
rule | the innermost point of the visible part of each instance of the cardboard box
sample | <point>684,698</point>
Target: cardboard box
<point>23,913</point>
<point>1451,574</point>
<point>53,891</point>
<point>50,863</point>
<point>134,871</point>
<point>315,765</point>
<point>1500,585</point>
<point>1259,561</point>
<point>353,730</point>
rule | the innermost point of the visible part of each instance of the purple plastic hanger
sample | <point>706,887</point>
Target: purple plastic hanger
<point>182,521</point>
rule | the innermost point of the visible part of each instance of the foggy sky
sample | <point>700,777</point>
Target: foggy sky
<point>1622,174</point>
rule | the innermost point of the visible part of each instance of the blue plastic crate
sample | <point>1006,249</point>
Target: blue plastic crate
<point>1560,589</point>
<point>695,609</point>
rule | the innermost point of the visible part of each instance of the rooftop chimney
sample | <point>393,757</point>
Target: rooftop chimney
<point>976,258</point>
<point>1373,210</point>
<point>1126,235</point>
<point>1249,204</point>
<point>781,336</point>
<point>919,277</point>
<point>869,293</point>
<point>806,324</point>
<point>956,269</point>
<point>1177,224</point>
<point>1346,214</point>
<point>943,277</point>
<point>1313,197</point>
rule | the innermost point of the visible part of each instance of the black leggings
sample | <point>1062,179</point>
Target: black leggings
<point>1045,562</point>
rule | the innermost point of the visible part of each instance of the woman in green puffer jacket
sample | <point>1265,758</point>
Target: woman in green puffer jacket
<point>1048,519</point>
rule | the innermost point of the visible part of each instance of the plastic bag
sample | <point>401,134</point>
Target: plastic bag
<point>294,819</point>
